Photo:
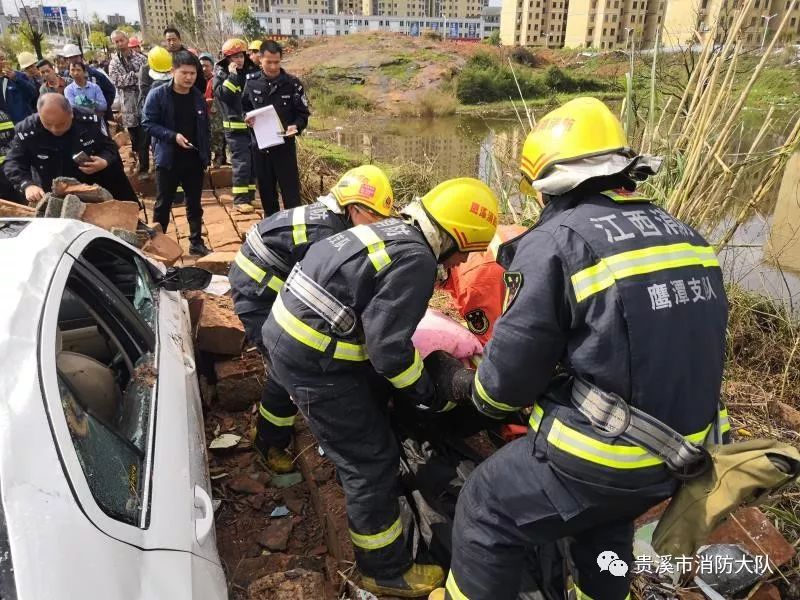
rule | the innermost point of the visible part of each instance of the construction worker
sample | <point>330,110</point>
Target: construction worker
<point>229,82</point>
<point>277,166</point>
<point>477,288</point>
<point>254,51</point>
<point>630,302</point>
<point>363,195</point>
<point>339,338</point>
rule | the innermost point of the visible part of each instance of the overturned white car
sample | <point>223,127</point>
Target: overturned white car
<point>104,488</point>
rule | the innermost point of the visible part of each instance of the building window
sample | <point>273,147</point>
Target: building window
<point>614,18</point>
<point>793,21</point>
<point>591,32</point>
<point>604,31</point>
<point>613,31</point>
<point>633,19</point>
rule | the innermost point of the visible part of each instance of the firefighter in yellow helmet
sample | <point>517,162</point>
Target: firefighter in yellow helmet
<point>629,303</point>
<point>229,78</point>
<point>339,337</point>
<point>254,51</point>
<point>363,195</point>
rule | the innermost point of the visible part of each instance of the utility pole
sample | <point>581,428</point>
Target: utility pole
<point>766,27</point>
<point>629,96</point>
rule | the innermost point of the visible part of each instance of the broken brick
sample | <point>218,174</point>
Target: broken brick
<point>12,209</point>
<point>298,584</point>
<point>239,382</point>
<point>112,213</point>
<point>222,177</point>
<point>246,485</point>
<point>766,591</point>
<point>276,536</point>
<point>220,330</point>
<point>86,192</point>
<point>217,262</point>
<point>122,139</point>
<point>752,529</point>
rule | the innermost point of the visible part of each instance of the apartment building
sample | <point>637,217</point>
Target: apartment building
<point>685,20</point>
<point>533,22</point>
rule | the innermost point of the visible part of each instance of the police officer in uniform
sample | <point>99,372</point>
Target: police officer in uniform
<point>363,195</point>
<point>277,166</point>
<point>44,144</point>
<point>630,303</point>
<point>339,338</point>
<point>229,80</point>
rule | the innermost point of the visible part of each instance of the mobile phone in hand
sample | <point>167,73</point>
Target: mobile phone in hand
<point>81,158</point>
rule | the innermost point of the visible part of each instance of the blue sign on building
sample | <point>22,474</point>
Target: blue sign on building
<point>414,30</point>
<point>453,29</point>
<point>54,12</point>
<point>473,28</point>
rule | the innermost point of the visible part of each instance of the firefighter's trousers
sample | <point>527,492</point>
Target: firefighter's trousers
<point>515,501</point>
<point>244,179</point>
<point>276,410</point>
<point>347,413</point>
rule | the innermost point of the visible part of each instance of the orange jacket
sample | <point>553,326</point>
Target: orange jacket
<point>476,286</point>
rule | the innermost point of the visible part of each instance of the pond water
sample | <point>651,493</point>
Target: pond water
<point>764,255</point>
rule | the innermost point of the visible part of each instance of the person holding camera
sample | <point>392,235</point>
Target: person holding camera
<point>44,142</point>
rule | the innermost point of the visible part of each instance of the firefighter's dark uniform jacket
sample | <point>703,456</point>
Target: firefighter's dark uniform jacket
<point>285,93</point>
<point>37,156</point>
<point>228,88</point>
<point>612,289</point>
<point>623,295</point>
<point>289,234</point>
<point>385,272</point>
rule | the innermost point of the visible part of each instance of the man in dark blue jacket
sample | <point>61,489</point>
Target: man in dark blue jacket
<point>176,119</point>
<point>17,93</point>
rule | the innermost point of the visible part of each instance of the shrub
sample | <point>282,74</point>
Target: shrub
<point>524,56</point>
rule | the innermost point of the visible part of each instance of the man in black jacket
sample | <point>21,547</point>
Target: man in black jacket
<point>176,118</point>
<point>277,166</point>
<point>172,42</point>
<point>44,144</point>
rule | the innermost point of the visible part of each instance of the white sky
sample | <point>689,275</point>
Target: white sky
<point>85,8</point>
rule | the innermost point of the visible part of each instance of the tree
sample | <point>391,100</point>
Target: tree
<point>98,39</point>
<point>31,35</point>
<point>244,18</point>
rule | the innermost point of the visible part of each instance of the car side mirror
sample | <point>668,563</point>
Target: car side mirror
<point>185,278</point>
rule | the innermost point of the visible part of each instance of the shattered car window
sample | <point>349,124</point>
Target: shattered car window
<point>111,464</point>
<point>134,414</point>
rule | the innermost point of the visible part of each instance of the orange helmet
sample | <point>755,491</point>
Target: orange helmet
<point>234,46</point>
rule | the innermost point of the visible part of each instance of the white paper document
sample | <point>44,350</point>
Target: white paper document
<point>267,126</point>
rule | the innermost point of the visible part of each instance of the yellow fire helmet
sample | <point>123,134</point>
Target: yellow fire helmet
<point>233,46</point>
<point>466,209</point>
<point>255,45</point>
<point>580,128</point>
<point>368,186</point>
<point>159,59</point>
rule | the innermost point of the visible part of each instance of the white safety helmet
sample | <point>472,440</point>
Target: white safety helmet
<point>70,50</point>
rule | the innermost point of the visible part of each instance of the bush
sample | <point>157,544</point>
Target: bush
<point>479,84</point>
<point>558,81</point>
<point>524,56</point>
<point>482,60</point>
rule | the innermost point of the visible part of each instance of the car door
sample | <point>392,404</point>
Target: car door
<point>105,305</point>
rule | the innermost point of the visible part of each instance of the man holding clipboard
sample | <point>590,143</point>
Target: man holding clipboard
<point>275,159</point>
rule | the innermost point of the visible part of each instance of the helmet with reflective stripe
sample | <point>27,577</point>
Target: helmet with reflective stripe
<point>255,45</point>
<point>234,46</point>
<point>368,186</point>
<point>466,209</point>
<point>580,128</point>
<point>159,59</point>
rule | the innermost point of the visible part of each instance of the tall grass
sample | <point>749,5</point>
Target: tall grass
<point>704,171</point>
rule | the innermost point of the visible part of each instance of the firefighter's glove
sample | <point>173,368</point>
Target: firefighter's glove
<point>451,379</point>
